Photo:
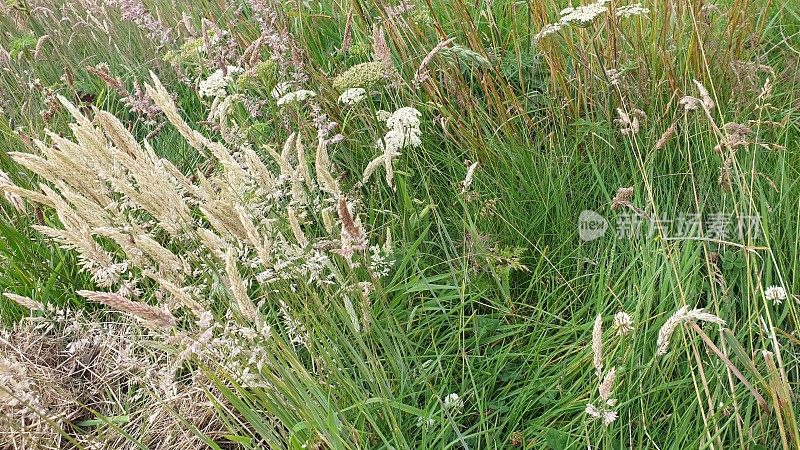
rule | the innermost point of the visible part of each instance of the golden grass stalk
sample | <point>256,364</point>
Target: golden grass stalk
<point>150,315</point>
<point>25,302</point>
<point>597,345</point>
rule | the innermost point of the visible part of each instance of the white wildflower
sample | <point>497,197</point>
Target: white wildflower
<point>403,132</point>
<point>606,415</point>
<point>215,84</point>
<point>623,323</point>
<point>404,118</point>
<point>583,15</point>
<point>609,416</point>
<point>352,96</point>
<point>550,28</point>
<point>296,96</point>
<point>632,10</point>
<point>453,403</point>
<point>281,89</point>
<point>775,293</point>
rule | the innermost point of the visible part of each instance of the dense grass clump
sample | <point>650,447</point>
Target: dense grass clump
<point>269,224</point>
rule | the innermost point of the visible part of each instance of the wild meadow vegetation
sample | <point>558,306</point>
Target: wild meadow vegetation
<point>274,224</point>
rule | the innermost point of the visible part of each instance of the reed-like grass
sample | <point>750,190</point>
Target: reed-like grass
<point>492,295</point>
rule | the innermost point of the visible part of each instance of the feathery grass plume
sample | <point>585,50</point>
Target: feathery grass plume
<point>261,244</point>
<point>467,183</point>
<point>607,416</point>
<point>134,11</point>
<point>11,197</point>
<point>5,58</point>
<point>726,173</point>
<point>351,311</point>
<point>690,103</point>
<point>294,223</point>
<point>40,43</point>
<point>164,101</point>
<point>181,297</point>
<point>623,198</point>
<point>607,385</point>
<point>76,235</point>
<point>681,316</point>
<point>353,230</point>
<point>422,74</point>
<point>705,97</point>
<point>302,171</point>
<point>163,258</point>
<point>629,123</point>
<point>347,37</point>
<point>735,136</point>
<point>467,56</point>
<point>160,318</point>
<point>668,134</point>
<point>238,289</point>
<point>380,48</point>
<point>597,345</point>
<point>25,302</point>
<point>294,328</point>
<point>322,166</point>
<point>212,242</point>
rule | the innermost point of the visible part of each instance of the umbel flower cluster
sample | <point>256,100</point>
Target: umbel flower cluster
<point>235,236</point>
<point>583,16</point>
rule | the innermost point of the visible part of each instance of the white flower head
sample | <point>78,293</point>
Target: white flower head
<point>216,83</point>
<point>606,415</point>
<point>403,132</point>
<point>352,96</point>
<point>775,293</point>
<point>281,89</point>
<point>583,15</point>
<point>404,119</point>
<point>296,97</point>
<point>609,416</point>
<point>623,323</point>
<point>548,29</point>
<point>453,403</point>
<point>632,10</point>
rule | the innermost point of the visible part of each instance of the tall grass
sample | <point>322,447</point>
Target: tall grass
<point>491,296</point>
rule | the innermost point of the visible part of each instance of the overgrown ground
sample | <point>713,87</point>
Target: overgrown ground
<point>483,288</point>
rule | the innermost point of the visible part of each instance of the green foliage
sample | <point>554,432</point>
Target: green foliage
<point>493,294</point>
<point>22,45</point>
